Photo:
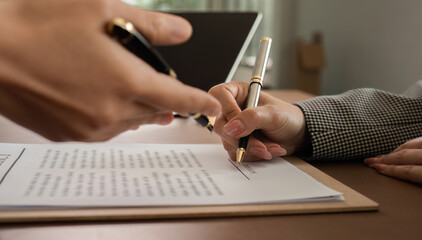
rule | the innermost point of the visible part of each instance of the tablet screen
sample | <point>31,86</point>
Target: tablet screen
<point>212,54</point>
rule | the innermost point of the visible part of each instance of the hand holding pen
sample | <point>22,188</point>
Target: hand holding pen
<point>133,41</point>
<point>273,127</point>
<point>79,83</point>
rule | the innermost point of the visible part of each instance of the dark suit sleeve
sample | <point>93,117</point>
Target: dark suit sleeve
<point>362,122</point>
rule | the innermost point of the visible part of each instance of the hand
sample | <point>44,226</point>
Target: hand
<point>63,77</point>
<point>405,162</point>
<point>280,125</point>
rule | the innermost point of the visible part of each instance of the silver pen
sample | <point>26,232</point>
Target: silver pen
<point>255,88</point>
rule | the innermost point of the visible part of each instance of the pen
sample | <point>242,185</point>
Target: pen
<point>254,89</point>
<point>133,41</point>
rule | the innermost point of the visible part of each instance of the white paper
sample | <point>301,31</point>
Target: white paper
<point>78,175</point>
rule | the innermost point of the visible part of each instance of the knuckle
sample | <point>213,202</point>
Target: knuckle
<point>223,89</point>
<point>401,155</point>
<point>230,88</point>
<point>251,116</point>
<point>231,113</point>
<point>216,90</point>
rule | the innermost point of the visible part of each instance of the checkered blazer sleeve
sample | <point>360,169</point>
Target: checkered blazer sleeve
<point>362,122</point>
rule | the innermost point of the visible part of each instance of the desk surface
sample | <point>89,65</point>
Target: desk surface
<point>397,218</point>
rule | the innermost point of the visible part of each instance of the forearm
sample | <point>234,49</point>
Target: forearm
<point>360,123</point>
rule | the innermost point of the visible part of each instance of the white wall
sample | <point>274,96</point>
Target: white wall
<point>369,43</point>
<point>283,34</point>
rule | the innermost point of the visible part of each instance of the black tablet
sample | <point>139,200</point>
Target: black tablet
<point>214,51</point>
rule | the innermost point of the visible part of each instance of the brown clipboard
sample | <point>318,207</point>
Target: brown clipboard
<point>353,201</point>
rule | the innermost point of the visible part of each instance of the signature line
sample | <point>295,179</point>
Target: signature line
<point>238,168</point>
<point>12,166</point>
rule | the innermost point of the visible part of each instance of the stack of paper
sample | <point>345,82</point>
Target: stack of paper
<point>102,175</point>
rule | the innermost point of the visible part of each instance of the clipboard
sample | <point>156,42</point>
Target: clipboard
<point>353,201</point>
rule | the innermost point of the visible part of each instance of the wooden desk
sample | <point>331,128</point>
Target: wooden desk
<point>398,216</point>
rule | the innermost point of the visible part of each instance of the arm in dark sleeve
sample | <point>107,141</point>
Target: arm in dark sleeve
<point>362,122</point>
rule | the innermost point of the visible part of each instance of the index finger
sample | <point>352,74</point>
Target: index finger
<point>165,92</point>
<point>232,96</point>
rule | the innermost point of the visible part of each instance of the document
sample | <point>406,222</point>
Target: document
<point>121,175</point>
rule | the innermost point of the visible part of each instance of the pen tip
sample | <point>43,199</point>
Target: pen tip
<point>210,128</point>
<point>240,154</point>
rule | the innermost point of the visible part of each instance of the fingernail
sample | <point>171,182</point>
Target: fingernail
<point>257,151</point>
<point>277,151</point>
<point>234,128</point>
<point>380,166</point>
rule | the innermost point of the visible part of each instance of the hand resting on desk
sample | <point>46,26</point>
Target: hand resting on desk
<point>341,127</point>
<point>405,162</point>
<point>63,77</point>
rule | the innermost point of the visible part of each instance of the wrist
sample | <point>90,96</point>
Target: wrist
<point>304,143</point>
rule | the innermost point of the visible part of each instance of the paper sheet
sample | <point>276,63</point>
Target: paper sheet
<point>87,175</point>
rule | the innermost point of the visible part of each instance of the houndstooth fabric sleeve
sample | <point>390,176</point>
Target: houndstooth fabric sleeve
<point>362,122</point>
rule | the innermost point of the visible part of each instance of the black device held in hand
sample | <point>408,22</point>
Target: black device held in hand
<point>132,40</point>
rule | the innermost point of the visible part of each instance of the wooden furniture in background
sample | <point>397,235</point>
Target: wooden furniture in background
<point>309,62</point>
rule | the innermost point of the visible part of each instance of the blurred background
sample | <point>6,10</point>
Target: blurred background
<point>328,46</point>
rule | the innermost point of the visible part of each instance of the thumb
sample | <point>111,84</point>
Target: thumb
<point>158,28</point>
